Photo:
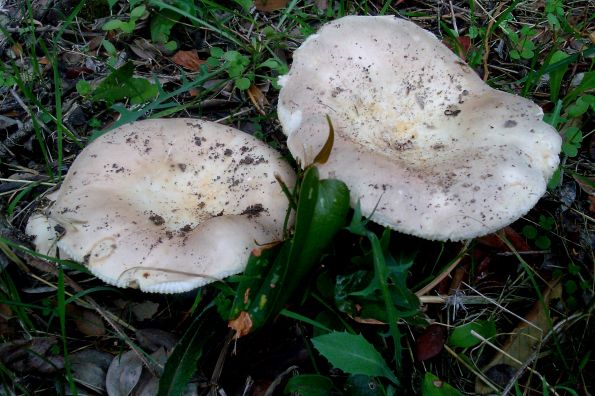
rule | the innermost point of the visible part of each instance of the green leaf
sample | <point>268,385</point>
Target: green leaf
<point>120,85</point>
<point>259,264</point>
<point>182,363</point>
<point>321,212</point>
<point>543,242</point>
<point>161,25</point>
<point>555,180</point>
<point>109,47</point>
<point>271,64</point>
<point>217,52</point>
<point>527,53</point>
<point>473,32</point>
<point>353,354</point>
<point>171,46</point>
<point>578,108</point>
<point>113,24</point>
<point>573,138</point>
<point>557,74</point>
<point>83,87</point>
<point>530,232</point>
<point>243,83</point>
<point>137,12</point>
<point>363,385</point>
<point>461,336</point>
<point>309,385</point>
<point>128,27</point>
<point>432,386</point>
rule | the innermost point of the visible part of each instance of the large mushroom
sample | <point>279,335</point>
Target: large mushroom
<point>422,142</point>
<point>168,205</point>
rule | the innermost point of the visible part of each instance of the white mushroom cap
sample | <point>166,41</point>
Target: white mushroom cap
<point>422,142</point>
<point>170,205</point>
<point>43,231</point>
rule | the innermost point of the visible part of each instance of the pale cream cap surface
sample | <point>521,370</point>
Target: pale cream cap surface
<point>170,205</point>
<point>420,140</point>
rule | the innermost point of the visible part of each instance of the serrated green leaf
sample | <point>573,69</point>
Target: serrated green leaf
<point>461,336</point>
<point>120,85</point>
<point>433,386</point>
<point>309,385</point>
<point>353,354</point>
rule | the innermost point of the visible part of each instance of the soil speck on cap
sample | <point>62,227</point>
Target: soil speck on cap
<point>247,160</point>
<point>186,228</point>
<point>510,124</point>
<point>253,210</point>
<point>182,167</point>
<point>228,152</point>
<point>156,219</point>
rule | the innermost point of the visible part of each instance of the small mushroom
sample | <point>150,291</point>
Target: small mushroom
<point>424,145</point>
<point>169,205</point>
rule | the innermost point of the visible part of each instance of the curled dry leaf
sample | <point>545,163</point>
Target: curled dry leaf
<point>188,60</point>
<point>123,374</point>
<point>153,339</point>
<point>145,310</point>
<point>89,368</point>
<point>31,356</point>
<point>86,321</point>
<point>258,99</point>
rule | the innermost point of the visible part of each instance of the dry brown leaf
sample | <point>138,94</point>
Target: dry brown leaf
<point>17,49</point>
<point>430,343</point>
<point>258,99</point>
<point>7,322</point>
<point>242,324</point>
<point>144,49</point>
<point>90,324</point>
<point>270,5</point>
<point>495,240</point>
<point>522,343</point>
<point>188,60</point>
